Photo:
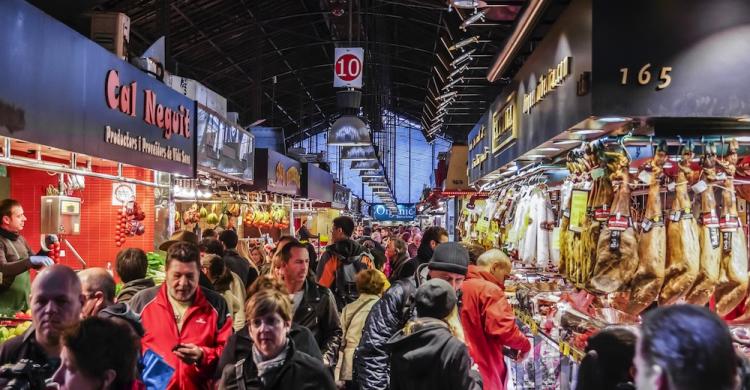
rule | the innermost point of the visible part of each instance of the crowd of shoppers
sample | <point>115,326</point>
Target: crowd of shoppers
<point>386,308</point>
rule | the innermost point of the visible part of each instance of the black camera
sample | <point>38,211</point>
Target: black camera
<point>24,375</point>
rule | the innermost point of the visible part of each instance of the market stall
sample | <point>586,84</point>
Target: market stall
<point>278,180</point>
<point>617,193</point>
<point>89,144</point>
<point>218,198</point>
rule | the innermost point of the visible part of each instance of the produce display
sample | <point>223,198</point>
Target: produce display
<point>16,326</point>
<point>267,217</point>
<point>212,215</point>
<point>130,222</point>
<point>156,267</point>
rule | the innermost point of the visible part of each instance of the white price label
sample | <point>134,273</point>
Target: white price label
<point>671,187</point>
<point>644,177</point>
<point>699,187</point>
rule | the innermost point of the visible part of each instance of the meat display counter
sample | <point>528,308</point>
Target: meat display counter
<point>558,320</point>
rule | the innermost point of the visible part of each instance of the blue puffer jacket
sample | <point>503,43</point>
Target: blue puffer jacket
<point>386,318</point>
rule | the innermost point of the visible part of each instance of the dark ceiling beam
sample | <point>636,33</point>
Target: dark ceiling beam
<point>291,69</point>
<point>330,65</point>
<point>313,44</point>
<point>272,30</point>
<point>220,51</point>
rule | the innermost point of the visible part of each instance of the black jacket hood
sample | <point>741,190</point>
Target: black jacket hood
<point>346,248</point>
<point>424,253</point>
<point>122,312</point>
<point>420,349</point>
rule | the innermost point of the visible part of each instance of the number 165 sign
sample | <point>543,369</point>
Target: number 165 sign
<point>347,67</point>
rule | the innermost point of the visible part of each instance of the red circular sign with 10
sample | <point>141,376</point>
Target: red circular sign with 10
<point>348,67</point>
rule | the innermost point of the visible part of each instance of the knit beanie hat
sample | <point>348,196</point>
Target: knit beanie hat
<point>450,257</point>
<point>435,298</point>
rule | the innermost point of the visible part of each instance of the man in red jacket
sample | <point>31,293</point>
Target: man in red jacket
<point>185,324</point>
<point>488,320</point>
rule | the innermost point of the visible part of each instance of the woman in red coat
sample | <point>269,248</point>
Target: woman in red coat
<point>488,320</point>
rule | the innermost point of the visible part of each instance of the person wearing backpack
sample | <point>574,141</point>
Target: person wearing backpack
<point>341,262</point>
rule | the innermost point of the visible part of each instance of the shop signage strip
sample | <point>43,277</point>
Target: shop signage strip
<point>91,103</point>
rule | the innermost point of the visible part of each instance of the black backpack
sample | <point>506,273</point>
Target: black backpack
<point>346,286</point>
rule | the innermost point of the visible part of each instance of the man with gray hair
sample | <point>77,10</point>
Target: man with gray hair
<point>98,288</point>
<point>488,320</point>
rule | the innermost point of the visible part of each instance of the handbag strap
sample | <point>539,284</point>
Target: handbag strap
<point>239,374</point>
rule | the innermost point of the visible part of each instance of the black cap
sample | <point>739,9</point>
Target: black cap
<point>435,298</point>
<point>450,257</point>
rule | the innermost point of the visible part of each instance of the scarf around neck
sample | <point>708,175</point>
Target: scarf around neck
<point>268,365</point>
<point>9,235</point>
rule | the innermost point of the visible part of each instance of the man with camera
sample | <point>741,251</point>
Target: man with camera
<point>56,302</point>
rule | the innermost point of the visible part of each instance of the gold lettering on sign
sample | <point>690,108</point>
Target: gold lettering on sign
<point>476,140</point>
<point>504,124</point>
<point>478,159</point>
<point>547,83</point>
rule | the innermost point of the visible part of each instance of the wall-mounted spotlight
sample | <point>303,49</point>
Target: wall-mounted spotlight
<point>447,95</point>
<point>462,58</point>
<point>458,71</point>
<point>453,83</point>
<point>473,19</point>
<point>465,42</point>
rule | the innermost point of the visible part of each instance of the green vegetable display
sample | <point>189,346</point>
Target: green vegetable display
<point>156,267</point>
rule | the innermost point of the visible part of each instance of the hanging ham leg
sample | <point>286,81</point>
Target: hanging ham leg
<point>683,248</point>
<point>710,260</point>
<point>617,248</point>
<point>652,242</point>
<point>733,279</point>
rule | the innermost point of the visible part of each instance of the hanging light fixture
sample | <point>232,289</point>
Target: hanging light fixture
<point>349,130</point>
<point>364,165</point>
<point>358,153</point>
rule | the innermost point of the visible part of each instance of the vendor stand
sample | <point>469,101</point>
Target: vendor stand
<point>579,146</point>
<point>90,145</point>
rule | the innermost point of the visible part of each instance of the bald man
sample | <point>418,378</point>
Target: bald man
<point>488,320</point>
<point>98,288</point>
<point>56,301</point>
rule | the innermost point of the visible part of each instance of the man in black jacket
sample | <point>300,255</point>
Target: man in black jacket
<point>233,259</point>
<point>433,236</point>
<point>450,262</point>
<point>56,301</point>
<point>314,306</point>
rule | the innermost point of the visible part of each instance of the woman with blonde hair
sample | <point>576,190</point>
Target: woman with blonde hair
<point>257,255</point>
<point>370,285</point>
<point>428,353</point>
